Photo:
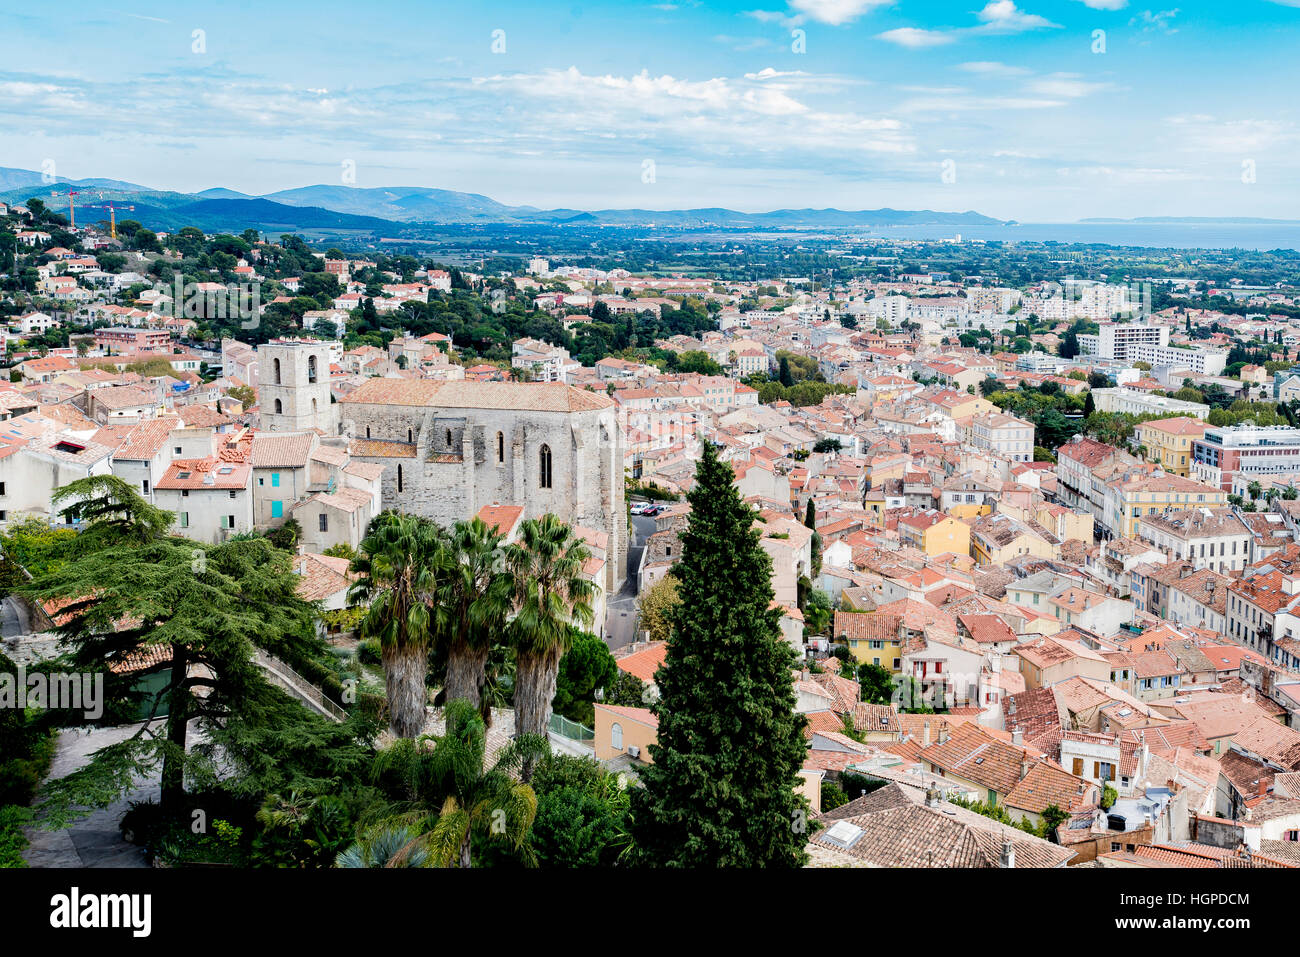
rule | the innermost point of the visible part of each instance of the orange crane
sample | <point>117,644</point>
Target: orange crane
<point>112,216</point>
<point>72,210</point>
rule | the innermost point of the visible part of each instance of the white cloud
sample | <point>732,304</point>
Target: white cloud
<point>836,12</point>
<point>915,38</point>
<point>1149,21</point>
<point>993,68</point>
<point>1065,84</point>
<point>1003,16</point>
<point>1110,4</point>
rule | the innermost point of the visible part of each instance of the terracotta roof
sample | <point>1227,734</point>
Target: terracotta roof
<point>644,663</point>
<point>893,827</point>
<point>282,449</point>
<point>534,397</point>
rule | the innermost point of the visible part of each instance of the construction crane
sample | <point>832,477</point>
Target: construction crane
<point>72,210</point>
<point>112,215</point>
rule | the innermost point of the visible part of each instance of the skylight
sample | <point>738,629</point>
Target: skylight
<point>843,834</point>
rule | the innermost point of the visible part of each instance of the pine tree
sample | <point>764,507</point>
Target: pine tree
<point>721,790</point>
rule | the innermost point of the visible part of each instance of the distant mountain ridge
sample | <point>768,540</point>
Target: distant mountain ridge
<point>383,209</point>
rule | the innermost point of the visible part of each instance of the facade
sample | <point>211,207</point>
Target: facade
<point>1131,495</point>
<point>450,448</point>
<point>1118,340</point>
<point>1223,452</point>
<point>1136,402</point>
<point>1168,442</point>
<point>1207,538</point>
<point>1003,435</point>
<point>1200,361</point>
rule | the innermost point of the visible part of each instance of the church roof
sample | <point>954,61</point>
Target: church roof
<point>524,396</point>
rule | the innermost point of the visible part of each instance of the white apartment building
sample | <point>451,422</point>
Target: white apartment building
<point>1136,402</point>
<point>1208,538</point>
<point>1200,361</point>
<point>1003,435</point>
<point>1116,340</point>
<point>543,361</point>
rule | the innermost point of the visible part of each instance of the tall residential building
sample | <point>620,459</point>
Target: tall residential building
<point>1118,340</point>
<point>1225,450</point>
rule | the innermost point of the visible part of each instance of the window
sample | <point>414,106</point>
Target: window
<point>399,478</point>
<point>185,519</point>
<point>311,368</point>
<point>501,447</point>
<point>367,431</point>
<point>2,487</point>
<point>277,375</point>
<point>277,509</point>
<point>898,663</point>
<point>1078,767</point>
<point>410,435</point>
<point>449,438</point>
<point>616,737</point>
<point>279,406</point>
<point>185,493</point>
<point>275,480</point>
<point>178,450</point>
<point>145,483</point>
<point>324,522</point>
<point>232,493</point>
<point>544,463</point>
<point>224,523</point>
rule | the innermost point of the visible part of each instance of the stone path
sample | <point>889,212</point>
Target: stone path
<point>92,841</point>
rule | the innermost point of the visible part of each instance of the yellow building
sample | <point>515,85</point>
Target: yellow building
<point>999,538</point>
<point>1168,442</point>
<point>935,533</point>
<point>622,730</point>
<point>1134,495</point>
<point>873,639</point>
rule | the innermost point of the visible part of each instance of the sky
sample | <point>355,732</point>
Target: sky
<point>1035,110</point>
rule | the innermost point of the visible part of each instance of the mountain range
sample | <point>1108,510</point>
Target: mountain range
<point>390,210</point>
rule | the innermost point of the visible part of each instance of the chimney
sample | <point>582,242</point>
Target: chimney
<point>933,796</point>
<point>1024,769</point>
<point>925,735</point>
<point>943,734</point>
<point>1263,786</point>
<point>1018,736</point>
<point>1008,854</point>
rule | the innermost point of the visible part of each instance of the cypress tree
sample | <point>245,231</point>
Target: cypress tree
<point>810,515</point>
<point>721,791</point>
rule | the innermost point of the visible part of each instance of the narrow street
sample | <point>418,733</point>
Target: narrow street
<point>620,618</point>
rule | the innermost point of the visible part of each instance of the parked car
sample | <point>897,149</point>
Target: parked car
<point>639,508</point>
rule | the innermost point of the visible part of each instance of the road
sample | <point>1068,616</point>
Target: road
<point>620,619</point>
<point>13,619</point>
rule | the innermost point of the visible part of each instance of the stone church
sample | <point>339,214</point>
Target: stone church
<point>451,448</point>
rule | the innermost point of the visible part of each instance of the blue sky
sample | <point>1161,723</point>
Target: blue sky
<point>1009,107</point>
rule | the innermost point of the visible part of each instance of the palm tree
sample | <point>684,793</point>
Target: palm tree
<point>551,594</point>
<point>392,844</point>
<point>476,798</point>
<point>397,575</point>
<point>473,602</point>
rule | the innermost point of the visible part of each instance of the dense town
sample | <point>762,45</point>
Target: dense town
<point>1033,547</point>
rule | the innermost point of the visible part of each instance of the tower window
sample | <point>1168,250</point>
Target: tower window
<point>279,406</point>
<point>544,463</point>
<point>501,446</point>
<point>399,478</point>
<point>311,368</point>
<point>449,438</point>
<point>410,435</point>
<point>277,371</point>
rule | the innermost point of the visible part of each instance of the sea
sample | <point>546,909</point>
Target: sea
<point>1217,235</point>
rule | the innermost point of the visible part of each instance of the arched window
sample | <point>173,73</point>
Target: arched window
<point>311,368</point>
<point>279,406</point>
<point>313,406</point>
<point>399,478</point>
<point>544,466</point>
<point>616,737</point>
<point>277,371</point>
<point>501,446</point>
